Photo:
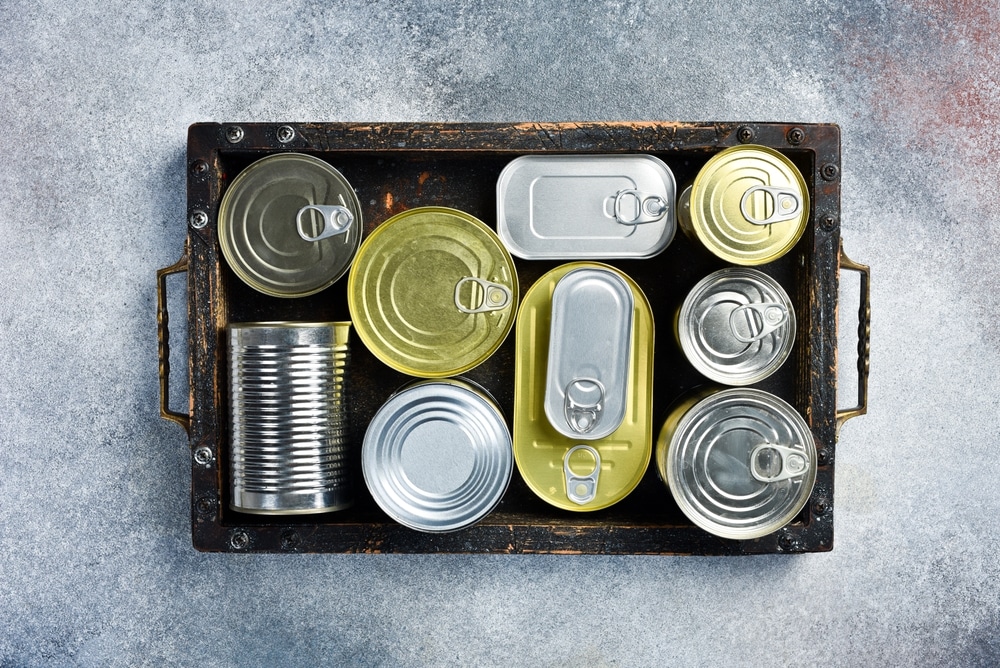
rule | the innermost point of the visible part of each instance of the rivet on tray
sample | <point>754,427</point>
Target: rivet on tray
<point>199,219</point>
<point>205,505</point>
<point>203,456</point>
<point>234,134</point>
<point>286,133</point>
<point>239,540</point>
<point>829,171</point>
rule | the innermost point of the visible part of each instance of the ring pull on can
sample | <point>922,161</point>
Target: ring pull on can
<point>583,410</point>
<point>495,296</point>
<point>784,205</point>
<point>760,319</point>
<point>336,220</point>
<point>774,463</point>
<point>581,489</point>
<point>645,207</point>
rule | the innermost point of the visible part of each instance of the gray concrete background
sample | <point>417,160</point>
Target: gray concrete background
<point>96,565</point>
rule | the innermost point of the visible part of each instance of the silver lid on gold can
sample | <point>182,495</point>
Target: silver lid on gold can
<point>289,225</point>
<point>438,456</point>
<point>737,326</point>
<point>740,463</point>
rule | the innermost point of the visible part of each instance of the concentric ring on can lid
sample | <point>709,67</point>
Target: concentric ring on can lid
<point>289,225</point>
<point>737,326</point>
<point>749,205</point>
<point>437,456</point>
<point>433,292</point>
<point>740,463</point>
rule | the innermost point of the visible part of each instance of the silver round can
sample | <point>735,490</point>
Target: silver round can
<point>736,326</point>
<point>739,462</point>
<point>288,421</point>
<point>438,456</point>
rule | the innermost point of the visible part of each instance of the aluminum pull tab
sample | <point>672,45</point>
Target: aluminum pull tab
<point>643,207</point>
<point>774,463</point>
<point>784,205</point>
<point>581,489</point>
<point>760,319</point>
<point>336,220</point>
<point>584,404</point>
<point>495,297</point>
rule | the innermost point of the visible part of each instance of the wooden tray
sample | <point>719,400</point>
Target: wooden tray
<point>395,167</point>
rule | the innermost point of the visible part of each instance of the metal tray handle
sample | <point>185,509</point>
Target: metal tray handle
<point>163,336</point>
<point>864,339</point>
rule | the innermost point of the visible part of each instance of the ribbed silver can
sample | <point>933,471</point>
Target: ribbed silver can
<point>288,420</point>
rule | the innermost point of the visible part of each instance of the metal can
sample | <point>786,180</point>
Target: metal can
<point>288,417</point>
<point>437,455</point>
<point>433,292</point>
<point>570,472</point>
<point>289,225</point>
<point>736,326</point>
<point>749,205</point>
<point>590,344</point>
<point>740,463</point>
<point>586,206</point>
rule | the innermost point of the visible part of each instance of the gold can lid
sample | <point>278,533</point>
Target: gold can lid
<point>289,225</point>
<point>749,205</point>
<point>433,292</point>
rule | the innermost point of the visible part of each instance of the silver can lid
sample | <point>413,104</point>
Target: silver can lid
<point>741,463</point>
<point>586,206</point>
<point>590,348</point>
<point>737,326</point>
<point>438,456</point>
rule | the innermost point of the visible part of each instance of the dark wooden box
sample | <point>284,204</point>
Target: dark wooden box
<point>397,166</point>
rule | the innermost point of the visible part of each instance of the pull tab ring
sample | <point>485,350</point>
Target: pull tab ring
<point>584,409</point>
<point>336,220</point>
<point>783,463</point>
<point>581,489</point>
<point>496,296</point>
<point>785,205</point>
<point>647,207</point>
<point>761,320</point>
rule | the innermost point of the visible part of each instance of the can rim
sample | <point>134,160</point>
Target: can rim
<point>681,493</point>
<point>354,297</point>
<point>226,243</point>
<point>692,351</point>
<point>724,251</point>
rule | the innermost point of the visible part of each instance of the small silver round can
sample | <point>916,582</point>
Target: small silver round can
<point>740,462</point>
<point>288,418</point>
<point>438,456</point>
<point>736,326</point>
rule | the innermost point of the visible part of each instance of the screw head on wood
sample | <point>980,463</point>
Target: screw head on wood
<point>829,171</point>
<point>745,134</point>
<point>795,136</point>
<point>234,134</point>
<point>199,219</point>
<point>286,133</point>
<point>239,540</point>
<point>199,168</point>
<point>203,455</point>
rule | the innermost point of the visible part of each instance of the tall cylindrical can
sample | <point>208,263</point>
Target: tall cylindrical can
<point>288,421</point>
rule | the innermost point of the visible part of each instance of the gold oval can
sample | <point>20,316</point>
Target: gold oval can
<point>433,292</point>
<point>749,205</point>
<point>574,472</point>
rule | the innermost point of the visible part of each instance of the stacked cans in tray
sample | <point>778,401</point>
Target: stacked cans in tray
<point>433,292</point>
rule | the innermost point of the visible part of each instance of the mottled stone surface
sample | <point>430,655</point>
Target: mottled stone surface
<point>96,566</point>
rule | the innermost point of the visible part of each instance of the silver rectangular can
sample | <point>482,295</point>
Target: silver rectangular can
<point>288,420</point>
<point>586,206</point>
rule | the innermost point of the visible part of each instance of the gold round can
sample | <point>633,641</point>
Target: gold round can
<point>433,292</point>
<point>748,205</point>
<point>289,225</point>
